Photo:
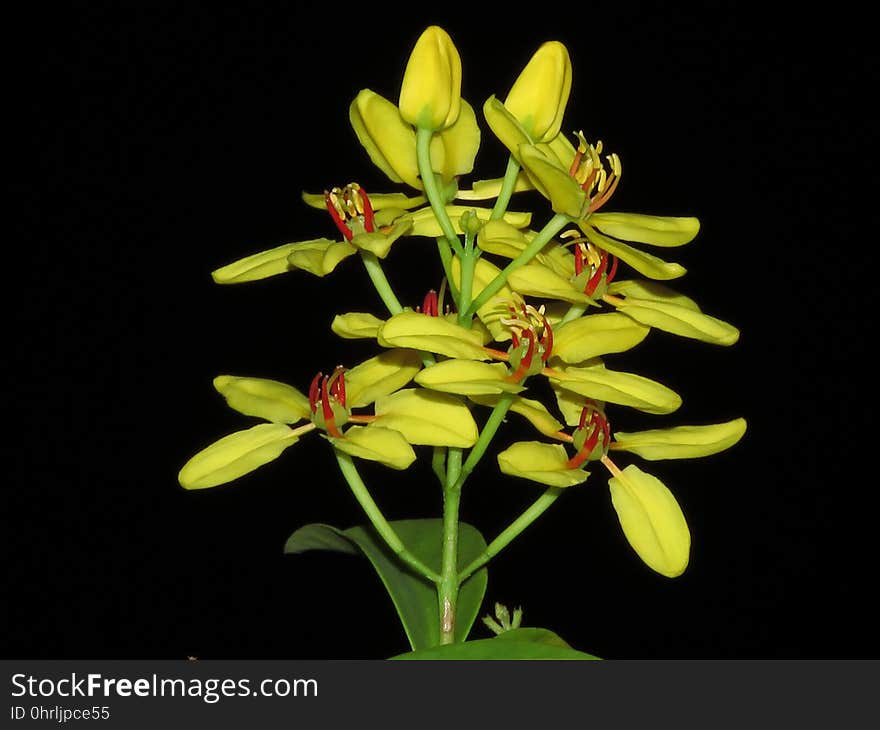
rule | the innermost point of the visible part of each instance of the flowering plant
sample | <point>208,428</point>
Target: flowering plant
<point>515,306</point>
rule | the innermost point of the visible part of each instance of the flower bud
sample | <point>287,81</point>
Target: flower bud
<point>539,95</point>
<point>430,95</point>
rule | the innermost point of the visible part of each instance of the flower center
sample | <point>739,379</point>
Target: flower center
<point>525,323</point>
<point>594,268</point>
<point>592,436</point>
<point>327,401</point>
<point>350,209</point>
<point>598,183</point>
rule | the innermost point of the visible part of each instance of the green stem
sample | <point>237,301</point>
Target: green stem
<point>468,262</point>
<point>438,464</point>
<point>574,311</point>
<point>385,530</point>
<point>496,417</point>
<point>380,281</point>
<point>432,191</point>
<point>512,531</point>
<point>446,260</point>
<point>554,225</point>
<point>447,587</point>
<point>507,186</point>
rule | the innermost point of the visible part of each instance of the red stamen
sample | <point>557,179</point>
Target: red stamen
<point>430,304</point>
<point>514,338</point>
<point>369,217</point>
<point>337,219</point>
<point>336,385</point>
<point>613,271</point>
<point>327,409</point>
<point>526,361</point>
<point>596,278</point>
<point>578,259</point>
<point>313,392</point>
<point>576,163</point>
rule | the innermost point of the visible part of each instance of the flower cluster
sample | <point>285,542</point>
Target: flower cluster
<point>516,305</point>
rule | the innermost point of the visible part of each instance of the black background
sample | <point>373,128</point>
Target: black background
<point>154,145</point>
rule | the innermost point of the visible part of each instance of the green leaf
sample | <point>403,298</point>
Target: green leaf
<point>414,598</point>
<point>525,643</point>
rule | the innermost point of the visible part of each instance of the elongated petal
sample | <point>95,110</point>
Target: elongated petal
<point>570,404</point>
<point>652,521</point>
<point>378,201</point>
<point>534,411</point>
<point>236,455</point>
<point>356,325</point>
<point>596,334</point>
<point>540,462</point>
<point>380,376</point>
<point>501,238</point>
<point>485,189</point>
<point>680,320</point>
<point>265,263</point>
<point>388,139</point>
<point>642,289</point>
<point>433,334</point>
<point>263,398</point>
<point>625,389</point>
<point>537,280</point>
<point>655,230</point>
<point>553,181</point>
<point>645,263</point>
<point>428,418</point>
<point>320,259</point>
<point>460,144</point>
<point>425,224</point>
<point>681,442</point>
<point>539,94</point>
<point>430,95</point>
<point>505,126</point>
<point>467,377</point>
<point>373,443</point>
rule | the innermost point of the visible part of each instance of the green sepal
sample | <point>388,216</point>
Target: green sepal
<point>681,442</point>
<point>427,418</point>
<point>356,325</point>
<point>679,320</point>
<point>379,376</point>
<point>235,455</point>
<point>414,598</point>
<point>268,399</point>
<point>432,334</point>
<point>540,462</point>
<point>266,263</point>
<point>380,243</point>
<point>645,263</point>
<point>652,521</point>
<point>654,230</point>
<point>596,334</point>
<point>553,181</point>
<point>375,443</point>
<point>468,377</point>
<point>627,389</point>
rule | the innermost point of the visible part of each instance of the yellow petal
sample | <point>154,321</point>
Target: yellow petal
<point>378,201</point>
<point>652,521</point>
<point>655,230</point>
<point>428,418</point>
<point>263,398</point>
<point>430,95</point>
<point>645,263</point>
<point>356,325</point>
<point>679,320</point>
<point>534,411</point>
<point>626,389</point>
<point>681,442</point>
<point>320,259</point>
<point>425,224</point>
<point>376,444</point>
<point>380,376</point>
<point>540,462</point>
<point>540,93</point>
<point>642,289</point>
<point>433,334</point>
<point>467,377</point>
<point>596,334</point>
<point>460,144</point>
<point>485,189</point>
<point>236,455</point>
<point>266,263</point>
<point>537,280</point>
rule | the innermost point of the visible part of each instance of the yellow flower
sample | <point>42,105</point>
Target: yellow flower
<point>430,95</point>
<point>538,96</point>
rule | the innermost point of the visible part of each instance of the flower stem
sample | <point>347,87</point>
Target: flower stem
<point>537,508</point>
<point>432,191</point>
<point>574,311</point>
<point>385,530</point>
<point>492,423</point>
<point>507,187</point>
<point>554,225</point>
<point>447,586</point>
<point>438,464</point>
<point>380,281</point>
